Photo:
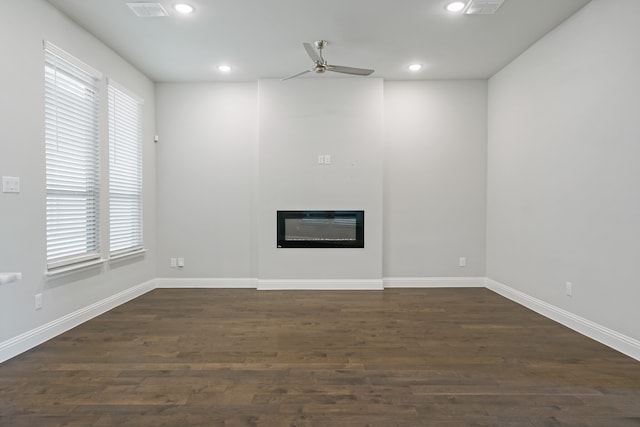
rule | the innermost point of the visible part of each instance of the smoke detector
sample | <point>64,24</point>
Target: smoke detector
<point>148,10</point>
<point>483,7</point>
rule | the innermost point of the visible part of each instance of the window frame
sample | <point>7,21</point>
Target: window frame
<point>72,157</point>
<point>126,196</point>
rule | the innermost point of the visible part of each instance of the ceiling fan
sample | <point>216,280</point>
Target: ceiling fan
<point>320,64</point>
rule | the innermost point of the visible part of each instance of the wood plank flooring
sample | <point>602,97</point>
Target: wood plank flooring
<point>399,357</point>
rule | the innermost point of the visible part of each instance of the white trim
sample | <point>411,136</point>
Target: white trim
<point>434,282</point>
<point>602,334</point>
<point>211,283</point>
<point>23,342</point>
<point>125,90</point>
<point>47,45</point>
<point>132,254</point>
<point>72,268</point>
<point>320,284</point>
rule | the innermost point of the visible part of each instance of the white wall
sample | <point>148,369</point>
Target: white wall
<point>206,160</point>
<point>411,154</point>
<point>435,178</point>
<point>563,174</point>
<point>23,27</point>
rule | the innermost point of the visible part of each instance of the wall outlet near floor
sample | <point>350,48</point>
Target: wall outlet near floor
<point>173,262</point>
<point>38,301</point>
<point>463,261</point>
<point>569,288</point>
<point>180,262</point>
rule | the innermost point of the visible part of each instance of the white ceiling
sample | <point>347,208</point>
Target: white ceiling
<point>263,38</point>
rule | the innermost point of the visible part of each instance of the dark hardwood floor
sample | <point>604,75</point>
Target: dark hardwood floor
<point>399,357</point>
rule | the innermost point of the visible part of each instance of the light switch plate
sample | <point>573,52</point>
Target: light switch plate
<point>10,184</point>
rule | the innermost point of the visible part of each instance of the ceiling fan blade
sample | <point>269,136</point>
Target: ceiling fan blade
<point>349,70</point>
<point>295,75</point>
<point>312,53</point>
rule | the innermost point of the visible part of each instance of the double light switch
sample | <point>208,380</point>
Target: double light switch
<point>324,159</point>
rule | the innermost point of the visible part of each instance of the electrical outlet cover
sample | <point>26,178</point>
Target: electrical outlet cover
<point>10,184</point>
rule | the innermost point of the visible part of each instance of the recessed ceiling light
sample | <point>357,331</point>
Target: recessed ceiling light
<point>224,68</point>
<point>415,67</point>
<point>455,6</point>
<point>183,8</point>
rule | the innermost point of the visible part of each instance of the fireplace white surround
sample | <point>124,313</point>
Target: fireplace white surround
<point>300,119</point>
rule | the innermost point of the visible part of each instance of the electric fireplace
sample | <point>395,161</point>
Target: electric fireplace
<point>320,229</point>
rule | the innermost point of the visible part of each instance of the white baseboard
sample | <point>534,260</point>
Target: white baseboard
<point>209,282</point>
<point>604,335</point>
<point>434,282</point>
<point>321,285</point>
<point>23,342</point>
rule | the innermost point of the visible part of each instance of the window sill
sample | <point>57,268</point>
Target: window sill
<point>61,271</point>
<point>127,255</point>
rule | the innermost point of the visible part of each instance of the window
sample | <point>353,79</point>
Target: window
<point>125,171</point>
<point>72,160</point>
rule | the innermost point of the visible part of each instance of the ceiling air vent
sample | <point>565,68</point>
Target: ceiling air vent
<point>148,10</point>
<point>483,7</point>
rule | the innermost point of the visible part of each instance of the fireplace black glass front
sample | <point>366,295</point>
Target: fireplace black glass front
<point>320,229</point>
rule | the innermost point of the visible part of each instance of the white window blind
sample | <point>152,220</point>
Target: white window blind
<point>72,159</point>
<point>125,171</point>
